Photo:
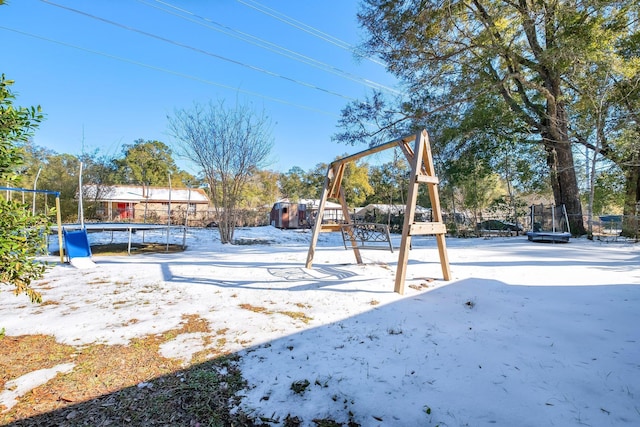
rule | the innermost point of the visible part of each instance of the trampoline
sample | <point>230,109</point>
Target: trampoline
<point>549,224</point>
<point>131,228</point>
<point>549,236</point>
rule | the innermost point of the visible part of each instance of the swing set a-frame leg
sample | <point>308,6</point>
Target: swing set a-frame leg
<point>422,172</point>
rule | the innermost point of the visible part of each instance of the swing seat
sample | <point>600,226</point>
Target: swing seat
<point>366,235</point>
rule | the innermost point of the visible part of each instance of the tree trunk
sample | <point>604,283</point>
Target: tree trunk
<point>561,165</point>
<point>227,224</point>
<point>225,231</point>
<point>631,200</point>
<point>569,191</point>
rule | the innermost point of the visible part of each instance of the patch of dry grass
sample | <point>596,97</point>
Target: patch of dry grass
<point>124,384</point>
<point>422,285</point>
<point>298,315</point>
<point>255,308</point>
<point>21,355</point>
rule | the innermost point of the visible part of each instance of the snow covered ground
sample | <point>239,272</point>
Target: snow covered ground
<point>526,334</point>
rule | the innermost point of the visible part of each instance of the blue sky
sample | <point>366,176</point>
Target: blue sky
<point>109,72</point>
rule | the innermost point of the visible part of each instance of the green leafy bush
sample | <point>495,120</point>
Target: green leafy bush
<point>22,239</point>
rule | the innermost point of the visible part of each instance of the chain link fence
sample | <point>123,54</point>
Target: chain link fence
<point>613,227</point>
<point>180,215</point>
<point>601,227</point>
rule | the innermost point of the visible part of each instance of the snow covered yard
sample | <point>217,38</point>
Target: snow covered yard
<point>525,334</point>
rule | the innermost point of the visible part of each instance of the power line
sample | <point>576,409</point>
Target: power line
<point>198,50</point>
<point>165,70</point>
<point>304,27</point>
<point>264,44</point>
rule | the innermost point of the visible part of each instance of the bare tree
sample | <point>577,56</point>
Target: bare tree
<point>230,145</point>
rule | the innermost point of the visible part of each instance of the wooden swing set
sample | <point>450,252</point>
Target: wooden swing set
<point>422,172</point>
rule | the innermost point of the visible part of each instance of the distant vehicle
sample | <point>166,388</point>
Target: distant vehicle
<point>611,218</point>
<point>496,224</point>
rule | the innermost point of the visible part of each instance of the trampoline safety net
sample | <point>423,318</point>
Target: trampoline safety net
<point>549,218</point>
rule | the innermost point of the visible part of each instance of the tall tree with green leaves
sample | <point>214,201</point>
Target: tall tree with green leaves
<point>146,163</point>
<point>355,183</point>
<point>60,173</point>
<point>389,182</point>
<point>314,181</point>
<point>524,53</point>
<point>383,184</point>
<point>261,190</point>
<point>19,227</point>
<point>100,172</point>
<point>292,184</point>
<point>605,95</point>
<point>626,147</point>
<point>31,173</point>
<point>475,146</point>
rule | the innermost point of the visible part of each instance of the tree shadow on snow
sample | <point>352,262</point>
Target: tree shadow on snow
<point>475,352</point>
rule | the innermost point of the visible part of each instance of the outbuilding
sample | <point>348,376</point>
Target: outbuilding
<point>289,215</point>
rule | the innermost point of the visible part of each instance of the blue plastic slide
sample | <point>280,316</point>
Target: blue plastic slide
<point>76,244</point>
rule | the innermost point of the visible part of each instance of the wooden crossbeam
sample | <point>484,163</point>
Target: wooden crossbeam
<point>426,179</point>
<point>330,228</point>
<point>427,228</point>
